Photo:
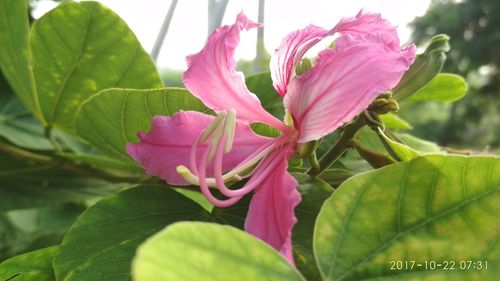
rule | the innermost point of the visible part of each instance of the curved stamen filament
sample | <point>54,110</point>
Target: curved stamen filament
<point>204,186</point>
<point>251,184</point>
<point>237,174</point>
<point>193,154</point>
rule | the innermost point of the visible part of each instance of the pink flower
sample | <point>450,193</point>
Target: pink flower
<point>195,148</point>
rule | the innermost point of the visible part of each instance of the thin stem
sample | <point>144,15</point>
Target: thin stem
<point>342,144</point>
<point>313,160</point>
<point>163,31</point>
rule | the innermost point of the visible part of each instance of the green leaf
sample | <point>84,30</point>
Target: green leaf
<point>379,142</point>
<point>234,215</point>
<point>80,49</point>
<point>29,229</point>
<point>419,144</point>
<point>392,121</point>
<point>204,251</point>
<point>265,130</point>
<point>36,265</point>
<point>445,87</point>
<point>105,163</point>
<point>398,150</point>
<point>336,176</point>
<point>28,186</point>
<point>103,240</point>
<point>112,118</point>
<point>196,196</point>
<point>424,68</point>
<point>314,192</point>
<point>15,53</point>
<point>434,208</point>
<point>262,86</point>
<point>370,140</point>
<point>19,127</point>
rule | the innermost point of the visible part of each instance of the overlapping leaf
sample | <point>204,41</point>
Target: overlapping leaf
<point>444,87</point>
<point>112,118</point>
<point>76,50</point>
<point>209,252</point>
<point>15,53</point>
<point>103,240</point>
<point>80,49</point>
<point>36,265</point>
<point>433,208</point>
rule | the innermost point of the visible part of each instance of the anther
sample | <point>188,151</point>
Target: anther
<point>212,127</point>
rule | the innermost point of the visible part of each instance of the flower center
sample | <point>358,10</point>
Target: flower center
<point>215,141</point>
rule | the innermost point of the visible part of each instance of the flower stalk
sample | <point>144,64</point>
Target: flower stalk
<point>342,144</point>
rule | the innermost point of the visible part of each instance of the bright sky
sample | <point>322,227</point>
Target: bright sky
<point>188,29</point>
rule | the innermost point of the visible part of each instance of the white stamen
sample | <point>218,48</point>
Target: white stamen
<point>233,175</point>
<point>212,127</point>
<point>230,129</point>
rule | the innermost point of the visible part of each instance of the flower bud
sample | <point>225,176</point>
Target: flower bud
<point>383,106</point>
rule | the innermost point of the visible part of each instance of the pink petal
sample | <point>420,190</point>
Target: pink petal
<point>344,82</point>
<point>297,43</point>
<point>168,144</point>
<point>290,52</point>
<point>211,75</point>
<point>271,214</point>
<point>368,23</point>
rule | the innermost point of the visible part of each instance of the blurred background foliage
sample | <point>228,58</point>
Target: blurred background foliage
<point>474,30</point>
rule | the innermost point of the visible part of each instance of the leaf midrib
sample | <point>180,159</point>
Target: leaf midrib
<point>73,67</point>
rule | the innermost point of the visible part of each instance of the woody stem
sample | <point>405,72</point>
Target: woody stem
<point>342,144</point>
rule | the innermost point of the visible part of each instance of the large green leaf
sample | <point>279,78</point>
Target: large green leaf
<point>209,252</point>
<point>103,240</point>
<point>15,54</point>
<point>445,87</point>
<point>314,192</point>
<point>80,49</point>
<point>19,127</point>
<point>36,265</point>
<point>433,209</point>
<point>112,118</point>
